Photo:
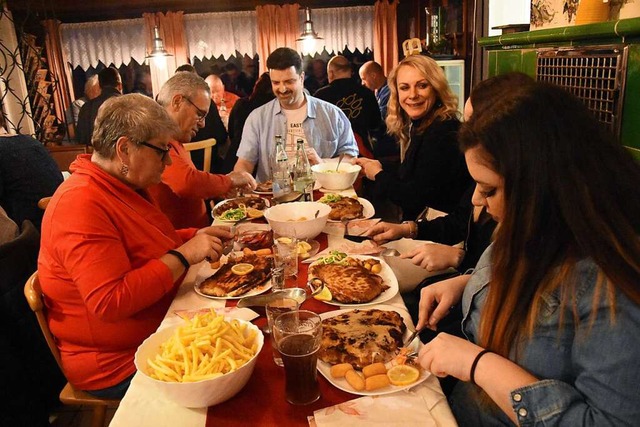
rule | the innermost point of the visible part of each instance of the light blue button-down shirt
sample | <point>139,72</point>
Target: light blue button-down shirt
<point>589,370</point>
<point>326,128</point>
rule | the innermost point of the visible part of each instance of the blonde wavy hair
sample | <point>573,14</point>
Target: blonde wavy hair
<point>445,107</point>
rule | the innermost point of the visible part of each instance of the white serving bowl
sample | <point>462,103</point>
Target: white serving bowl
<point>199,394</point>
<point>331,179</point>
<point>284,219</point>
<point>408,274</point>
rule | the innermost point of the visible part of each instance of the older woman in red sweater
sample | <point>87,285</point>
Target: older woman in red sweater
<point>110,261</point>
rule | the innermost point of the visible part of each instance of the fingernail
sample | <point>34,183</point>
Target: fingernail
<point>432,321</point>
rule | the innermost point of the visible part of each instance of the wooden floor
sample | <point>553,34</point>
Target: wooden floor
<point>69,416</point>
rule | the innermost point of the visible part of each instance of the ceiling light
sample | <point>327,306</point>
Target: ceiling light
<point>158,45</point>
<point>308,33</point>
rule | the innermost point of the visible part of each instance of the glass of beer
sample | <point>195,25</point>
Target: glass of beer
<point>298,335</point>
<point>273,309</point>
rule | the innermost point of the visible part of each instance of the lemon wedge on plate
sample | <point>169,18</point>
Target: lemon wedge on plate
<point>402,375</point>
<point>324,295</point>
<point>242,269</point>
<point>254,213</point>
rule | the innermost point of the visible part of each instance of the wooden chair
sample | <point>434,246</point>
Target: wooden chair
<point>44,202</point>
<point>69,395</point>
<point>206,145</point>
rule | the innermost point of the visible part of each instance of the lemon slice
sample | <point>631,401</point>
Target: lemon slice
<point>303,246</point>
<point>324,295</point>
<point>402,375</point>
<point>285,240</point>
<point>254,213</point>
<point>242,268</point>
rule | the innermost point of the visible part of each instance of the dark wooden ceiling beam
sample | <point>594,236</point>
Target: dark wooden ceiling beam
<point>91,10</point>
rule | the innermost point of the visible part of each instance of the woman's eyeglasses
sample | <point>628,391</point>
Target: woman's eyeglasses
<point>163,151</point>
<point>201,113</point>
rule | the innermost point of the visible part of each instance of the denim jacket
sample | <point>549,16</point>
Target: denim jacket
<point>589,373</point>
<point>326,127</point>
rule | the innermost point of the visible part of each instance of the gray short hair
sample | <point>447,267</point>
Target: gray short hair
<point>135,116</point>
<point>182,83</point>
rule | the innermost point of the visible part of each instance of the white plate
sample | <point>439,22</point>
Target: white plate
<point>216,218</point>
<point>367,212</point>
<point>325,368</point>
<point>388,278</point>
<point>206,271</point>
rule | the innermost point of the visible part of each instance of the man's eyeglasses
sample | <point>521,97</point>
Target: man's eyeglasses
<point>201,113</point>
<point>163,151</point>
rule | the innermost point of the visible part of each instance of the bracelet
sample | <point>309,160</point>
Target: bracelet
<point>413,229</point>
<point>472,373</point>
<point>181,257</point>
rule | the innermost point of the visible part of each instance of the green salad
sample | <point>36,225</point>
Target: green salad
<point>334,257</point>
<point>233,214</point>
<point>330,198</point>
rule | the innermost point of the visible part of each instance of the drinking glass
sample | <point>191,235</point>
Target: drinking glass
<point>298,335</point>
<point>285,253</point>
<point>273,309</point>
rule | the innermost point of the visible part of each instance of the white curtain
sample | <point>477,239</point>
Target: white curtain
<point>111,42</point>
<point>340,27</point>
<point>214,34</point>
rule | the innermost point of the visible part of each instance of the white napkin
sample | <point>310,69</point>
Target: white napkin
<point>424,406</point>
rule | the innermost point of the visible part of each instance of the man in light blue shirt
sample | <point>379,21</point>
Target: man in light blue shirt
<point>293,115</point>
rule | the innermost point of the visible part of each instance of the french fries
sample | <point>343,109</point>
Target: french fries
<point>207,346</point>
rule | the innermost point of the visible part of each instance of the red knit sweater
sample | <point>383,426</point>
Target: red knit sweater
<point>104,286</point>
<point>183,190</point>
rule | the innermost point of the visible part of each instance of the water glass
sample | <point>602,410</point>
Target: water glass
<point>277,279</point>
<point>273,309</point>
<point>285,253</point>
<point>298,335</point>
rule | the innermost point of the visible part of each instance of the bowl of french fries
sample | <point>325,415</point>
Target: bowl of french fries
<point>202,362</point>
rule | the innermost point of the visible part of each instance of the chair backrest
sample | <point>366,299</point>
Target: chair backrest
<point>205,145</point>
<point>33,293</point>
<point>44,202</point>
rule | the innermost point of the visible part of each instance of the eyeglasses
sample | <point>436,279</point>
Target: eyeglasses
<point>163,151</point>
<point>201,113</point>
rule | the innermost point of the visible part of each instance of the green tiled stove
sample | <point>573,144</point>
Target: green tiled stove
<point>600,63</point>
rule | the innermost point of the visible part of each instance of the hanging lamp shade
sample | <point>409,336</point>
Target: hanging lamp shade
<point>308,33</point>
<point>158,45</point>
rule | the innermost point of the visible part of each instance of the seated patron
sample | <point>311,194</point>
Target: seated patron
<point>109,275</point>
<point>552,310</point>
<point>27,174</point>
<point>182,193</point>
<point>421,114</point>
<point>294,115</point>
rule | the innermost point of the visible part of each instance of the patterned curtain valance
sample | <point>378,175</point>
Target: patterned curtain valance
<point>214,34</point>
<point>342,26</point>
<point>110,42</point>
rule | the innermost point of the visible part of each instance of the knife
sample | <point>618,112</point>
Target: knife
<point>358,239</point>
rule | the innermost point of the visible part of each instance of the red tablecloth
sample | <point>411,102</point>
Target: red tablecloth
<point>261,402</point>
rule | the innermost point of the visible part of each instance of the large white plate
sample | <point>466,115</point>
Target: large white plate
<point>206,271</point>
<point>388,278</point>
<point>325,368</point>
<point>367,212</point>
<point>217,218</point>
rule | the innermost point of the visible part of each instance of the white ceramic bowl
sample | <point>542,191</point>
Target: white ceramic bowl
<point>408,274</point>
<point>284,219</point>
<point>199,394</point>
<point>327,176</point>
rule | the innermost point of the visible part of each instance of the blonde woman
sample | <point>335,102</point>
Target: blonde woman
<point>422,116</point>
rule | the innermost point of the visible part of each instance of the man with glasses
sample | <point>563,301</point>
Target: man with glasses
<point>182,193</point>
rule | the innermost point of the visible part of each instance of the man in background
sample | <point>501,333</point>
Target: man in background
<point>91,91</point>
<point>358,103</point>
<point>294,115</point>
<point>182,193</point>
<point>219,95</point>
<point>110,86</point>
<point>373,78</point>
